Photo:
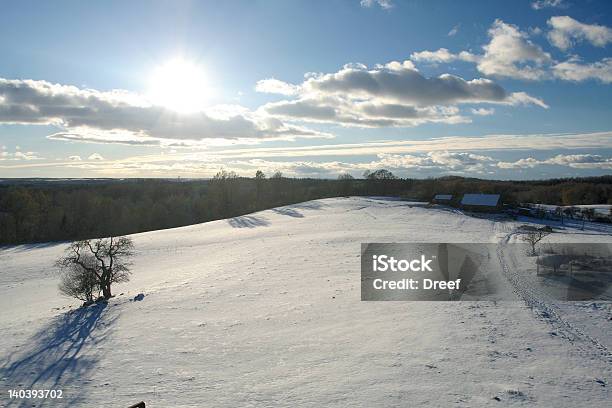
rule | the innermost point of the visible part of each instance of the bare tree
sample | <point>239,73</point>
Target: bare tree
<point>533,237</point>
<point>559,213</point>
<point>106,259</point>
<point>78,282</point>
<point>260,180</point>
<point>589,213</point>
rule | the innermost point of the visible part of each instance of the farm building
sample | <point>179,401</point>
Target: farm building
<point>442,199</point>
<point>481,202</point>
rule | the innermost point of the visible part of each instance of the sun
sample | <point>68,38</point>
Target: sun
<point>179,85</point>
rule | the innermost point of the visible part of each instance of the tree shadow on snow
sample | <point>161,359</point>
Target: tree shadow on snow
<point>247,221</point>
<point>290,212</point>
<point>309,205</point>
<point>13,249</point>
<point>60,356</point>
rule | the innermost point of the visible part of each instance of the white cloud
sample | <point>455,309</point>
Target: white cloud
<point>299,168</point>
<point>483,111</point>
<point>441,161</point>
<point>443,55</point>
<point>535,30</point>
<point>566,32</point>
<point>528,162</point>
<point>462,161</point>
<point>473,144</point>
<point>574,70</point>
<point>91,115</point>
<point>393,94</point>
<point>95,156</point>
<point>18,155</point>
<point>432,162</point>
<point>348,112</point>
<point>454,30</point>
<point>276,86</point>
<point>405,85</point>
<point>384,4</point>
<point>578,161</point>
<point>74,158</point>
<point>582,161</point>
<point>457,162</point>
<point>542,4</point>
<point>490,142</point>
<point>26,156</point>
<point>522,98</point>
<point>433,156</point>
<point>511,54</point>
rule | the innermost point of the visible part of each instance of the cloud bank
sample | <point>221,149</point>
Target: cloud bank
<point>576,161</point>
<point>448,155</point>
<point>392,95</point>
<point>120,117</point>
<point>411,164</point>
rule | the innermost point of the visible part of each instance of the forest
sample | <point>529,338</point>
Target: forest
<point>33,210</point>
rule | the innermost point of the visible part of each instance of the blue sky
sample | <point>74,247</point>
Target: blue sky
<point>311,88</point>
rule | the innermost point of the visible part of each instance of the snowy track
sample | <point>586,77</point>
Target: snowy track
<point>546,307</point>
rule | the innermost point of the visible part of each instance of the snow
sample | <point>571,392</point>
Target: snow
<point>265,310</point>
<point>443,197</point>
<point>489,200</point>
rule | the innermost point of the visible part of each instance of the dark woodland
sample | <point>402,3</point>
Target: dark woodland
<point>37,210</point>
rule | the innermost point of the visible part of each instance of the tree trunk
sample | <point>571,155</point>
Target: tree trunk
<point>106,291</point>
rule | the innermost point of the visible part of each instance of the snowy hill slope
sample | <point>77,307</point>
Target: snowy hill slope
<point>265,310</point>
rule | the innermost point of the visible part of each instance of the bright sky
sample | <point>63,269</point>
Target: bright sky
<point>491,89</point>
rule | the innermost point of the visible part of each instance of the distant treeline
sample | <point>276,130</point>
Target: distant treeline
<point>40,211</point>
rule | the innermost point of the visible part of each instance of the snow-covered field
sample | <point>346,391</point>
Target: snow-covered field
<point>264,310</point>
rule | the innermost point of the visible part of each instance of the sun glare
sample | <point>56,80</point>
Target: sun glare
<point>179,85</point>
